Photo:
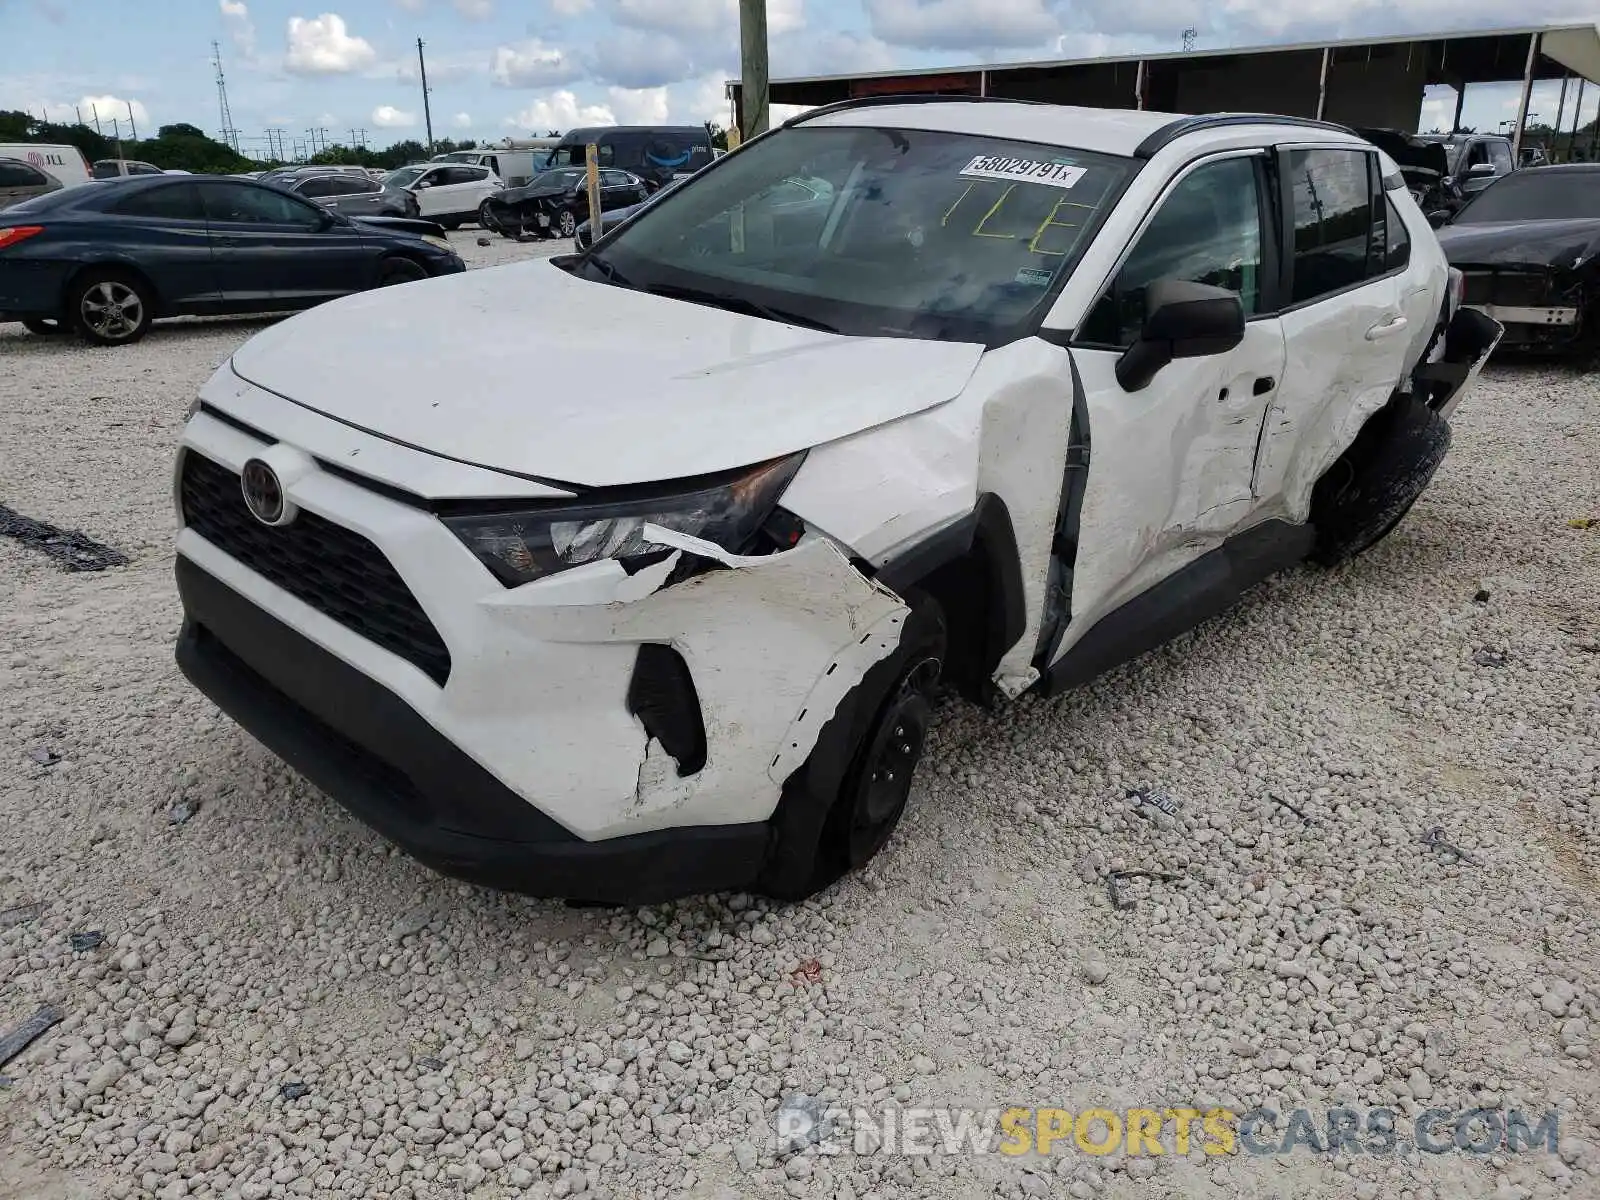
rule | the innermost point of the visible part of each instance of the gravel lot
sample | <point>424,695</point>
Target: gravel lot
<point>1314,950</point>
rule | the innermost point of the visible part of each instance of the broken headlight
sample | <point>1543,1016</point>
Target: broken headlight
<point>526,544</point>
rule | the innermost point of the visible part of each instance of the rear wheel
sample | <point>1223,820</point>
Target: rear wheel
<point>1369,490</point>
<point>843,804</point>
<point>486,217</point>
<point>567,223</point>
<point>111,308</point>
<point>399,270</point>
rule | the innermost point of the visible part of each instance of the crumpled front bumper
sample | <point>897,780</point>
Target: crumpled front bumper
<point>1469,340</point>
<point>534,764</point>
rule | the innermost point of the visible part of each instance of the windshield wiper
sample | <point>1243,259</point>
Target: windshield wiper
<point>606,269</point>
<point>744,304</point>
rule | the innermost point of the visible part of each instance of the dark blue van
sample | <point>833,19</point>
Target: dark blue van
<point>653,152</point>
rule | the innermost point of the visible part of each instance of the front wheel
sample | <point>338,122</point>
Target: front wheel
<point>841,806</point>
<point>111,308</point>
<point>568,223</point>
<point>486,217</point>
<point>399,270</point>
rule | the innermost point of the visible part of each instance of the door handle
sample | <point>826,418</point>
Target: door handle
<point>1263,385</point>
<point>1393,325</point>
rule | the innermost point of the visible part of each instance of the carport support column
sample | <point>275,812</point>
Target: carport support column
<point>1138,87</point>
<point>1322,82</point>
<point>1527,98</point>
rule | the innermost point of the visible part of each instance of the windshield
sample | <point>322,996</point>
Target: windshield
<point>1550,195</point>
<point>404,177</point>
<point>874,231</point>
<point>566,156</point>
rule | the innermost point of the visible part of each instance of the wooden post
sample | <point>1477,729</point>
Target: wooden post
<point>591,160</point>
<point>1322,82</point>
<point>754,93</point>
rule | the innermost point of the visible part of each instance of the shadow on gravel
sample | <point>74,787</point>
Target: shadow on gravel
<point>17,340</point>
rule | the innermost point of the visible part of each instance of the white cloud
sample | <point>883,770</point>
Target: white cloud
<point>963,24</point>
<point>241,29</point>
<point>412,6</point>
<point>114,108</point>
<point>387,116</point>
<point>631,58</point>
<point>533,64</point>
<point>462,120</point>
<point>561,110</point>
<point>639,106</point>
<point>475,10</point>
<point>323,46</point>
<point>569,8</point>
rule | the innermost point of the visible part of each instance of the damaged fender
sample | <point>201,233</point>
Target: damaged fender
<point>772,644</point>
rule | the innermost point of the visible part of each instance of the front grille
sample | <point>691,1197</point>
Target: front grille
<point>335,570</point>
<point>1512,288</point>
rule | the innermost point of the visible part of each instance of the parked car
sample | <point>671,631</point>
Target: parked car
<point>22,181</point>
<point>114,168</point>
<point>355,195</point>
<point>1036,390</point>
<point>449,193</point>
<point>65,163</point>
<point>1424,165</point>
<point>107,261</point>
<point>653,152</point>
<point>1529,248</point>
<point>515,165</point>
<point>1476,161</point>
<point>556,201</point>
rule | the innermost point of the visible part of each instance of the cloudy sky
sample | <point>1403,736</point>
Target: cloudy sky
<point>500,67</point>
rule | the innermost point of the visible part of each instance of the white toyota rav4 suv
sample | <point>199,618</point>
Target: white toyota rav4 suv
<point>632,574</point>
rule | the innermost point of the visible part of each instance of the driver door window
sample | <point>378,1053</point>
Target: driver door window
<point>238,204</point>
<point>1207,230</point>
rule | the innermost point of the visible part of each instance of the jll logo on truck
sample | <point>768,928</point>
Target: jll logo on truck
<point>41,160</point>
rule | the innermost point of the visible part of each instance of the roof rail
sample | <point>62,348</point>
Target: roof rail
<point>1183,126</point>
<point>898,98</point>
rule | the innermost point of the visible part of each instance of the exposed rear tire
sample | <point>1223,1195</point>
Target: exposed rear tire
<point>110,307</point>
<point>843,803</point>
<point>1369,490</point>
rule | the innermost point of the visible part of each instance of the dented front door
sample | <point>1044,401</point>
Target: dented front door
<point>1169,467</point>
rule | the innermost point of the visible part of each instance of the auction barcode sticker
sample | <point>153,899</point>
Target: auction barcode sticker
<point>1023,170</point>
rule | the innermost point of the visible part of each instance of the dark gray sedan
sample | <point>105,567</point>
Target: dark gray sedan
<point>352,194</point>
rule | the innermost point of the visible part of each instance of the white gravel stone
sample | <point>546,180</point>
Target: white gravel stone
<point>458,1041</point>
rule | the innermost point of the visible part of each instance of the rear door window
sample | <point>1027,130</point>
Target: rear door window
<point>174,202</point>
<point>1338,236</point>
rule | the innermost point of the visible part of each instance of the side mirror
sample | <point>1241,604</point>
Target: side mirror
<point>1480,171</point>
<point>1181,320</point>
<point>423,183</point>
<point>1439,218</point>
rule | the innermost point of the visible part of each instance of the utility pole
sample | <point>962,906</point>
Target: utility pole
<point>230,135</point>
<point>427,111</point>
<point>131,124</point>
<point>94,109</point>
<point>1188,39</point>
<point>754,94</point>
<point>79,110</point>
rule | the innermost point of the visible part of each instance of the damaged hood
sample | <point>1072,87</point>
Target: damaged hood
<point>528,370</point>
<point>1422,164</point>
<point>1565,245</point>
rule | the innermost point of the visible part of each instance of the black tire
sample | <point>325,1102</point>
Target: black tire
<point>449,223</point>
<point>566,223</point>
<point>45,326</point>
<point>486,217</point>
<point>843,803</point>
<point>1369,490</point>
<point>110,307</point>
<point>399,270</point>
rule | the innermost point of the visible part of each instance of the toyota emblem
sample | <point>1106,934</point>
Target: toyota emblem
<point>263,494</point>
